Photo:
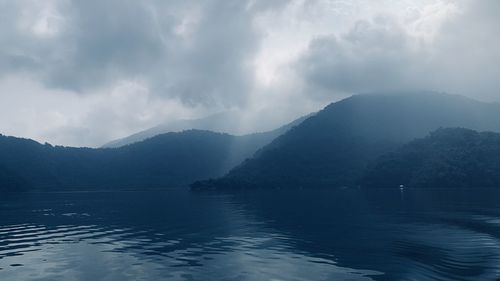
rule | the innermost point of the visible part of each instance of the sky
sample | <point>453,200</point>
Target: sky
<point>82,73</point>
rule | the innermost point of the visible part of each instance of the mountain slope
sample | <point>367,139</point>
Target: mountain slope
<point>450,157</point>
<point>172,159</point>
<point>226,122</point>
<point>334,147</point>
<point>9,181</point>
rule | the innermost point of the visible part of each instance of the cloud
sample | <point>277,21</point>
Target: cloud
<point>195,51</point>
<point>372,56</point>
<point>86,72</point>
<point>392,53</point>
<point>467,52</point>
<point>65,117</point>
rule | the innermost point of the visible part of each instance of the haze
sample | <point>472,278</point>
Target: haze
<point>83,73</point>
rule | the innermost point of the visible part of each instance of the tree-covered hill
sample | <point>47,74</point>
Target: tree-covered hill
<point>167,160</point>
<point>447,158</point>
<point>334,147</point>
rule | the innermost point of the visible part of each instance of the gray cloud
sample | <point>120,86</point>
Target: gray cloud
<point>86,72</point>
<point>195,51</point>
<point>372,56</point>
<point>382,55</point>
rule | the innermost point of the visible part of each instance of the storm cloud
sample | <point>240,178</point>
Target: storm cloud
<point>459,55</point>
<point>86,72</point>
<point>196,51</point>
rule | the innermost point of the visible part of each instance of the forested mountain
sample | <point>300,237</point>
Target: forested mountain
<point>167,160</point>
<point>10,181</point>
<point>447,158</point>
<point>226,122</point>
<point>334,147</point>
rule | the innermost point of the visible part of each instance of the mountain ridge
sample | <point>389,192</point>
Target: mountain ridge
<point>166,160</point>
<point>332,148</point>
<point>446,158</point>
<point>225,122</point>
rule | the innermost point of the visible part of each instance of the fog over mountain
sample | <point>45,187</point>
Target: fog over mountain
<point>224,122</point>
<point>334,147</point>
<point>249,140</point>
<point>84,73</point>
<point>160,160</point>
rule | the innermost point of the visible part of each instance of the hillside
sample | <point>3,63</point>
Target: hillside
<point>447,158</point>
<point>226,122</point>
<point>334,147</point>
<point>167,160</point>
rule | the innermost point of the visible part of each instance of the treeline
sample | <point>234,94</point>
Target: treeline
<point>335,147</point>
<point>447,158</point>
<point>168,160</point>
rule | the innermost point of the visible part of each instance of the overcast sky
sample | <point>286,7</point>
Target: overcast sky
<point>85,72</point>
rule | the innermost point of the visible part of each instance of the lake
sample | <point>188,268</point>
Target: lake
<point>254,235</point>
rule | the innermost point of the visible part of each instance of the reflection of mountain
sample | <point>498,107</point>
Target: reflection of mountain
<point>167,160</point>
<point>85,234</point>
<point>415,235</point>
<point>175,232</point>
<point>349,234</point>
<point>333,147</point>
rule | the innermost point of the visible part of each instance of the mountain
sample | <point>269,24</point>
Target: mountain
<point>9,181</point>
<point>452,157</point>
<point>333,147</point>
<point>167,160</point>
<point>225,122</point>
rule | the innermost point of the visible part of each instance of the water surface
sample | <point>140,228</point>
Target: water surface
<point>257,235</point>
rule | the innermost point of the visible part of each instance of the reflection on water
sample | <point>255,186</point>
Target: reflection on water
<point>260,235</point>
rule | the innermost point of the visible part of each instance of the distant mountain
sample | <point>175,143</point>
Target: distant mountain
<point>452,157</point>
<point>167,160</point>
<point>334,147</point>
<point>229,122</point>
<point>225,122</point>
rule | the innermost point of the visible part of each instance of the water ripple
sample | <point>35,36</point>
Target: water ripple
<point>156,237</point>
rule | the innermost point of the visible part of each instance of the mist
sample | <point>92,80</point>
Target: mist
<point>83,74</point>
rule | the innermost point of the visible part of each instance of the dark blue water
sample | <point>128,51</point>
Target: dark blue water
<point>273,235</point>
